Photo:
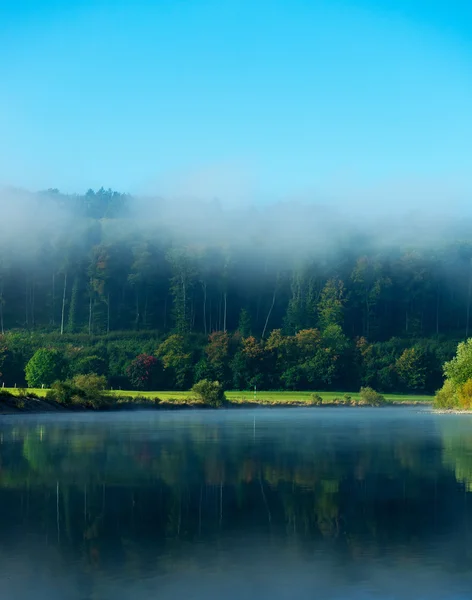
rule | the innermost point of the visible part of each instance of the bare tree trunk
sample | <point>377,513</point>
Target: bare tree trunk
<point>224,314</point>
<point>165,312</point>
<point>270,312</point>
<point>437,310</point>
<point>108,313</point>
<point>204,286</point>
<point>90,314</point>
<point>190,317</point>
<point>63,303</point>
<point>210,328</point>
<point>219,313</point>
<point>32,304</point>
<point>53,320</point>
<point>146,306</point>
<point>136,320</point>
<point>26,306</point>
<point>193,316</point>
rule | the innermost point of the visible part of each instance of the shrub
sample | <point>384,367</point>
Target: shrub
<point>464,394</point>
<point>316,400</point>
<point>88,390</point>
<point>91,385</point>
<point>446,397</point>
<point>370,397</point>
<point>61,392</point>
<point>45,367</point>
<point>209,392</point>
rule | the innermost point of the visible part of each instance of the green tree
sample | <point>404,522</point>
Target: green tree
<point>143,273</point>
<point>459,369</point>
<point>218,355</point>
<point>84,365</point>
<point>411,369</point>
<point>283,350</point>
<point>248,364</point>
<point>73,306</point>
<point>182,281</point>
<point>244,323</point>
<point>3,353</point>
<point>331,303</point>
<point>369,282</point>
<point>305,294</point>
<point>44,368</point>
<point>314,364</point>
<point>176,356</point>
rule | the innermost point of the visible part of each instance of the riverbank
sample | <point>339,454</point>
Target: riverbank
<point>14,403</point>
<point>451,411</point>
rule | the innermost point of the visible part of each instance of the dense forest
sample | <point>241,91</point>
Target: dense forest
<point>286,296</point>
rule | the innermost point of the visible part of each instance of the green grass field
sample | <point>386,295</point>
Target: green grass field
<point>261,397</point>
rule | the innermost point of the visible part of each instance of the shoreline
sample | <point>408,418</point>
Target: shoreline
<point>14,406</point>
<point>451,411</point>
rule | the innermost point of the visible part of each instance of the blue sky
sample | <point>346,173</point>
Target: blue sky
<point>257,99</point>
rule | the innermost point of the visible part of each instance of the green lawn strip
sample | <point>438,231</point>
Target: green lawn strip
<point>240,397</point>
<point>16,391</point>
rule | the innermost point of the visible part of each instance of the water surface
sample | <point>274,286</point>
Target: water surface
<point>272,503</point>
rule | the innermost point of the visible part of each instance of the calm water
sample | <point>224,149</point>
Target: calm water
<point>299,504</point>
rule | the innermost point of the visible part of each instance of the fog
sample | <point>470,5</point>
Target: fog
<point>312,224</point>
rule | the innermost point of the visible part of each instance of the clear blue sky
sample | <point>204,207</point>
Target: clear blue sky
<point>249,98</point>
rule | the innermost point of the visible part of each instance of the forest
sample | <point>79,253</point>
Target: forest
<point>158,294</point>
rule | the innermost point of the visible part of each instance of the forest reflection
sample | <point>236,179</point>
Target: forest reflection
<point>136,493</point>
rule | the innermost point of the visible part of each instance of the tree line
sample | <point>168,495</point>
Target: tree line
<point>246,309</point>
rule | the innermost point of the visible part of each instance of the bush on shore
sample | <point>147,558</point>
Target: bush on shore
<point>316,400</point>
<point>82,390</point>
<point>464,394</point>
<point>368,396</point>
<point>209,392</point>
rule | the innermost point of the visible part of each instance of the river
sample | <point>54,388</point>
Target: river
<point>330,503</point>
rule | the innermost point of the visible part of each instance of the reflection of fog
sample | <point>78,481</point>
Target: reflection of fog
<point>275,503</point>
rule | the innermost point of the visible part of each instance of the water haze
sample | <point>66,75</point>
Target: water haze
<point>266,503</point>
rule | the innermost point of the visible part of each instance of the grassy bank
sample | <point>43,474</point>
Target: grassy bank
<point>268,398</point>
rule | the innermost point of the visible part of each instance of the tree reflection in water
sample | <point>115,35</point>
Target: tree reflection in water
<point>142,495</point>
